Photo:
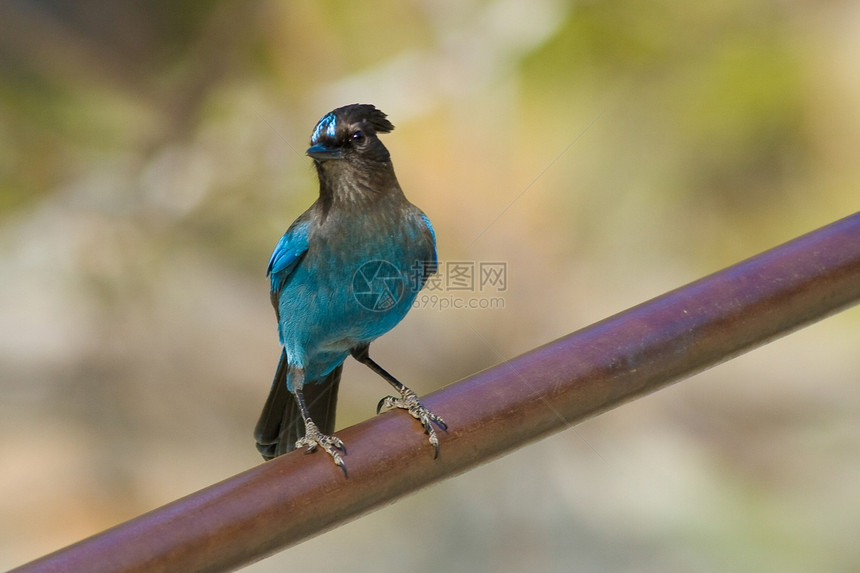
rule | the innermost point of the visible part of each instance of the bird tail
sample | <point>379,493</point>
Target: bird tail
<point>281,423</point>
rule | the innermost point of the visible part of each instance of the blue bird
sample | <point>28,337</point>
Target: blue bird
<point>345,273</point>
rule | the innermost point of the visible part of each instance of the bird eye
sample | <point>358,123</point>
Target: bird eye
<point>358,136</point>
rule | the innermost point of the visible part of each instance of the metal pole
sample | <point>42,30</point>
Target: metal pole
<point>294,497</point>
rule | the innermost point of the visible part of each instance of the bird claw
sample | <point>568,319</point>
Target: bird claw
<point>409,402</point>
<point>313,438</point>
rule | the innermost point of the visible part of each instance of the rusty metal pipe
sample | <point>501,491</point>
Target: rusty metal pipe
<point>282,502</point>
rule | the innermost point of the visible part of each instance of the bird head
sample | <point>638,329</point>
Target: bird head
<point>350,133</point>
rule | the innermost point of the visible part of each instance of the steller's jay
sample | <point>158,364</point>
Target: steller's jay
<point>345,272</point>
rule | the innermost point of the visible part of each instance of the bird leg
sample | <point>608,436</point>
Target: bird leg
<point>408,399</point>
<point>314,437</point>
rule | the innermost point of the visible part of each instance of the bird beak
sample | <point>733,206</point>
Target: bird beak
<point>321,152</point>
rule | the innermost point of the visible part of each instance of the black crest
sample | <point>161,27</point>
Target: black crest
<point>338,121</point>
<point>367,114</point>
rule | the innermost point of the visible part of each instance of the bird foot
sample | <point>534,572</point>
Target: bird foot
<point>409,401</point>
<point>313,438</point>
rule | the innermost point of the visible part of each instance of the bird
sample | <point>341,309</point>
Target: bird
<point>346,271</point>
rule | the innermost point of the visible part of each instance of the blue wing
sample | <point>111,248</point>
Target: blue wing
<point>430,265</point>
<point>429,225</point>
<point>286,257</point>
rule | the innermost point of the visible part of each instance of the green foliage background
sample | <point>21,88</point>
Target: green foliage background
<point>152,153</point>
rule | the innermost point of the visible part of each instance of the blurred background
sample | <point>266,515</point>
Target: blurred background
<point>152,154</point>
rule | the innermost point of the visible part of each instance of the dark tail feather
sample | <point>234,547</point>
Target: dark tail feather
<point>269,425</point>
<point>281,423</point>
